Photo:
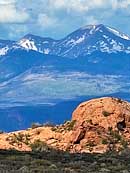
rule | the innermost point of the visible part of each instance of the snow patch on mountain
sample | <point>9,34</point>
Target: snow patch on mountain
<point>75,42</point>
<point>3,51</point>
<point>28,44</point>
<point>88,27</point>
<point>81,39</point>
<point>46,51</point>
<point>119,34</point>
<point>127,50</point>
<point>105,36</point>
<point>104,47</point>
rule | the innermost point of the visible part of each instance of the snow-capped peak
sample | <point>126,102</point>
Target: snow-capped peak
<point>81,42</point>
<point>28,44</point>
<point>119,34</point>
<point>92,27</point>
<point>88,27</point>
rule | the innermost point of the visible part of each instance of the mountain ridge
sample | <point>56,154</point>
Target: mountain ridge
<point>85,64</point>
<point>81,42</point>
<point>85,41</point>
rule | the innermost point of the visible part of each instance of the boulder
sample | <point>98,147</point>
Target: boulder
<point>100,122</point>
<point>107,112</point>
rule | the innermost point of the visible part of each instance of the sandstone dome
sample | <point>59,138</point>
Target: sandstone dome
<point>105,112</point>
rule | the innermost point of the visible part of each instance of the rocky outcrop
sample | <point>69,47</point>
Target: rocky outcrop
<point>97,125</point>
<point>106,112</point>
<point>100,122</point>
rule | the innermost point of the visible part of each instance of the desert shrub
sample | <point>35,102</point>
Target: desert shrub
<point>54,128</point>
<point>1,132</point>
<point>110,129</point>
<point>53,166</point>
<point>48,124</point>
<point>35,125</point>
<point>26,139</point>
<point>39,145</point>
<point>119,100</point>
<point>124,143</point>
<point>90,145</point>
<point>64,162</point>
<point>116,136</point>
<point>37,162</point>
<point>69,125</point>
<point>18,139</point>
<point>105,141</point>
<point>89,121</point>
<point>106,114</point>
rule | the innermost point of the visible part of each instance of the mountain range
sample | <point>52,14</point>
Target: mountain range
<point>42,79</point>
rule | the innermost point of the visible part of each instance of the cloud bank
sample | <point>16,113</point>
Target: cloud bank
<point>56,18</point>
<point>10,14</point>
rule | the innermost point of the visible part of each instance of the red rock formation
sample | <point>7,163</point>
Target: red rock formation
<point>99,121</point>
<point>106,112</point>
<point>96,126</point>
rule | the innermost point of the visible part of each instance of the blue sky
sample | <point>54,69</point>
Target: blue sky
<point>57,18</point>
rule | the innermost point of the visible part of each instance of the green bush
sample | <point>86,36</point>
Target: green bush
<point>89,121</point>
<point>55,161</point>
<point>18,139</point>
<point>69,125</point>
<point>39,145</point>
<point>105,141</point>
<point>116,135</point>
<point>110,129</point>
<point>106,114</point>
<point>124,143</point>
<point>48,124</point>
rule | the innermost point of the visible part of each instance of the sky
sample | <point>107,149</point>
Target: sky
<point>57,18</point>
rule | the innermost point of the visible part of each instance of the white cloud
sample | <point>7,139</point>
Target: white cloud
<point>120,4</point>
<point>92,4</point>
<point>20,30</point>
<point>9,13</point>
<point>90,20</point>
<point>86,5</point>
<point>70,5</point>
<point>4,2</point>
<point>77,5</point>
<point>60,17</point>
<point>46,21</point>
